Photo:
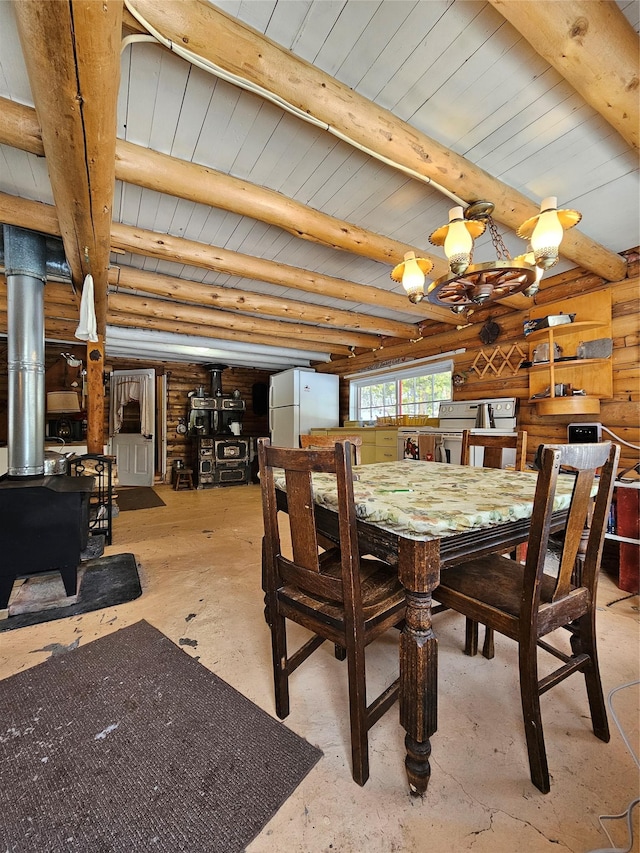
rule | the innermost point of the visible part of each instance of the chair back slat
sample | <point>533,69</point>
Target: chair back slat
<point>493,446</point>
<point>305,567</point>
<point>322,442</point>
<point>578,513</point>
<point>583,462</point>
<point>304,541</point>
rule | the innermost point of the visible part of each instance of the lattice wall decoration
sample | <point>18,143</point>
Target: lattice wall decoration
<point>498,360</point>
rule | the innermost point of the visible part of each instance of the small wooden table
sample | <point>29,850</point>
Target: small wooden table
<point>423,517</point>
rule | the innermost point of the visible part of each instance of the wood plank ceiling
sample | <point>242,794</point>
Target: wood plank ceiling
<point>222,226</point>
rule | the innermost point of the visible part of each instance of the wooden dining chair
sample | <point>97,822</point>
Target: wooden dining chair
<point>493,457</point>
<point>337,594</point>
<point>526,604</point>
<point>494,445</point>
<point>322,442</point>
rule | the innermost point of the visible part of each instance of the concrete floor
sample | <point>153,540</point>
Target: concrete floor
<point>199,559</point>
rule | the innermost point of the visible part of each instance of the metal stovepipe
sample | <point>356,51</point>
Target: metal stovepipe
<point>25,270</point>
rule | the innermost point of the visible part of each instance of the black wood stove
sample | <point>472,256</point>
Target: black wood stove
<point>44,527</point>
<point>222,456</point>
<point>44,520</point>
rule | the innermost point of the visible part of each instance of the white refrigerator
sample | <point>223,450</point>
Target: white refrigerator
<point>300,399</point>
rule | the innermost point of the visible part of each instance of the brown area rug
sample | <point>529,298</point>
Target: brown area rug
<point>137,497</point>
<point>129,744</point>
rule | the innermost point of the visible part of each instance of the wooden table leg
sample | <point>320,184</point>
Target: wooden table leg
<point>419,573</point>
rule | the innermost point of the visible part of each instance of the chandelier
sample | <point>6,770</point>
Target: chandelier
<point>468,285</point>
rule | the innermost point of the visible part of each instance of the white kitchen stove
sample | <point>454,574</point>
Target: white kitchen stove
<point>454,418</point>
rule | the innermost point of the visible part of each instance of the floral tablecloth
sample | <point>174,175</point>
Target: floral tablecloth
<point>430,500</point>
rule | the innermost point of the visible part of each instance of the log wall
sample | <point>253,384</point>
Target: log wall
<point>182,378</point>
<point>620,414</point>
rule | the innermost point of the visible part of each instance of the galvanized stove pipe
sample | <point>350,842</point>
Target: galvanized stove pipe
<point>25,270</point>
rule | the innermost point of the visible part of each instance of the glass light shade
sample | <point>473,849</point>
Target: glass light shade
<point>62,401</point>
<point>547,235</point>
<point>458,243</point>
<point>413,278</point>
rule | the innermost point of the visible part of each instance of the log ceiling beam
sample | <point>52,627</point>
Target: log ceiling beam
<point>593,46</point>
<point>61,306</point>
<point>129,321</point>
<point>141,306</point>
<point>204,185</point>
<point>245,301</point>
<point>42,217</point>
<point>137,165</point>
<point>62,317</point>
<point>241,50</point>
<point>179,250</point>
<point>72,54</point>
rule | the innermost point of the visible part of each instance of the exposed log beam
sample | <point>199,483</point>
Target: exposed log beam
<point>140,306</point>
<point>72,53</point>
<point>231,299</point>
<point>162,173</point>
<point>593,46</point>
<point>20,128</point>
<point>241,50</point>
<point>25,213</point>
<point>159,172</point>
<point>165,174</point>
<point>61,313</point>
<point>179,250</point>
<point>41,217</point>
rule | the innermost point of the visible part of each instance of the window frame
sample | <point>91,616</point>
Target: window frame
<point>396,374</point>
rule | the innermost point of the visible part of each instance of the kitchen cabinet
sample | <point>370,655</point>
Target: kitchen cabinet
<point>368,435</point>
<point>594,376</point>
<point>386,445</point>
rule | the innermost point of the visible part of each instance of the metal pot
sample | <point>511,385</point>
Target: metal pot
<point>55,463</point>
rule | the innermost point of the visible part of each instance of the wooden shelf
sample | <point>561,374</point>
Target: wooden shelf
<point>575,405</point>
<point>560,365</point>
<point>563,329</point>
<point>592,375</point>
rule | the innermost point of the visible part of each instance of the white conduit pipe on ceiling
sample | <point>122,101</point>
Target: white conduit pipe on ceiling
<point>254,88</point>
<point>149,353</point>
<point>117,334</point>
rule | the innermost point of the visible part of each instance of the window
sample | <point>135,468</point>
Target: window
<point>408,390</point>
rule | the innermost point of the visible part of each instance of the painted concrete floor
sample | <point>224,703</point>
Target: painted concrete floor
<point>199,560</point>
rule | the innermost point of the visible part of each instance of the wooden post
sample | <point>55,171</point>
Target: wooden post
<point>95,396</point>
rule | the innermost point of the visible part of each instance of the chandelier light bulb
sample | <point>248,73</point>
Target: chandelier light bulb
<point>547,235</point>
<point>458,243</point>
<point>535,286</point>
<point>413,278</point>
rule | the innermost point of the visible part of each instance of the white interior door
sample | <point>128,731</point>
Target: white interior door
<point>134,451</point>
<point>134,458</point>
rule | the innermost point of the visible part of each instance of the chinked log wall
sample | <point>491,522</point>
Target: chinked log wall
<point>182,378</point>
<point>621,414</point>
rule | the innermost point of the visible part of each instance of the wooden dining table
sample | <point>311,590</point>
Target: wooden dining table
<point>424,517</point>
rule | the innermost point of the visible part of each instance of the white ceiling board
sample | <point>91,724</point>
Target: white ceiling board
<point>631,10</point>
<point>25,175</point>
<point>14,81</point>
<point>454,69</point>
